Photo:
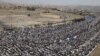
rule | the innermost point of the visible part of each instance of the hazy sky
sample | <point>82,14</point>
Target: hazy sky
<point>57,2</point>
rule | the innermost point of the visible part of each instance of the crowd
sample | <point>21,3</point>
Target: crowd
<point>59,40</point>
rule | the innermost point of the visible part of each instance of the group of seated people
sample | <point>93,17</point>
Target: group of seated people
<point>58,40</point>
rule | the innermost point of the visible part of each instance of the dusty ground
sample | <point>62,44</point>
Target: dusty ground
<point>19,18</point>
<point>96,52</point>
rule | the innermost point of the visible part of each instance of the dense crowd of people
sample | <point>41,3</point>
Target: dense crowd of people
<point>58,40</point>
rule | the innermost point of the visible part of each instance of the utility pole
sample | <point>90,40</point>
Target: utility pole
<point>10,21</point>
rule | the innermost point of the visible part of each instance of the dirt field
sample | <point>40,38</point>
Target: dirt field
<point>96,52</point>
<point>19,18</point>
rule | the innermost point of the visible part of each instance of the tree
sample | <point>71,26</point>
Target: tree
<point>36,25</point>
<point>31,8</point>
<point>28,15</point>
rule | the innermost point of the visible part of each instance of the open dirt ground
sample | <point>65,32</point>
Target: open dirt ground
<point>19,18</point>
<point>96,52</point>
